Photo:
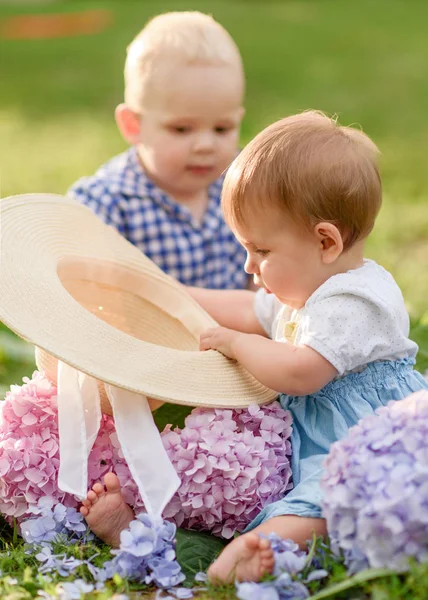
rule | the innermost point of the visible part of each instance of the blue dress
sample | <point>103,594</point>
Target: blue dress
<point>322,418</point>
<point>357,321</point>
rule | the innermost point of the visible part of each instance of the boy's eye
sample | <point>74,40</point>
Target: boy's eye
<point>180,129</point>
<point>262,252</point>
<point>222,129</point>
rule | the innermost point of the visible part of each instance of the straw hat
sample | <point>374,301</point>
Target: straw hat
<point>81,293</point>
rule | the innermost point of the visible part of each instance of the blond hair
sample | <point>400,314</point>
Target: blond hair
<point>312,169</point>
<point>171,39</point>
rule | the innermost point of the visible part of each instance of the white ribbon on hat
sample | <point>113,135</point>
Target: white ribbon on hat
<point>79,417</point>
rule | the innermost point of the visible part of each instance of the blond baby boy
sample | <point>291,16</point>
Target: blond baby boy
<point>184,89</point>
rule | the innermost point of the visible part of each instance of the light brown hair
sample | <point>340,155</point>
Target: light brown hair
<point>313,170</point>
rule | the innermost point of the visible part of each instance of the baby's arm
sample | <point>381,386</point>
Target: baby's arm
<point>230,308</point>
<point>288,369</point>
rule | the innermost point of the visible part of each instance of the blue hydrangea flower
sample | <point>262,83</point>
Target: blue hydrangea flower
<point>41,529</point>
<point>138,540</point>
<point>147,553</point>
<point>52,521</point>
<point>256,591</point>
<point>174,594</point>
<point>376,487</point>
<point>164,573</point>
<point>75,590</point>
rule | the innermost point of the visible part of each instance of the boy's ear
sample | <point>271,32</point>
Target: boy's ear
<point>330,242</point>
<point>129,124</point>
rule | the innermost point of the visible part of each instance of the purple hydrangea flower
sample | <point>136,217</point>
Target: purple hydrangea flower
<point>74,590</point>
<point>375,487</point>
<point>164,573</point>
<point>182,593</point>
<point>256,591</point>
<point>138,540</point>
<point>147,553</point>
<point>288,557</point>
<point>41,529</point>
<point>60,563</point>
<point>54,520</point>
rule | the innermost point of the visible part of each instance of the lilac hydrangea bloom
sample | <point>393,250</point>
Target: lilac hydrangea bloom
<point>74,590</point>
<point>60,563</point>
<point>164,573</point>
<point>250,590</point>
<point>282,588</point>
<point>41,529</point>
<point>51,521</point>
<point>376,487</point>
<point>138,540</point>
<point>147,553</point>
<point>180,593</point>
<point>288,556</point>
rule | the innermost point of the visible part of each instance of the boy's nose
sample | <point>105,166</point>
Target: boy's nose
<point>204,141</point>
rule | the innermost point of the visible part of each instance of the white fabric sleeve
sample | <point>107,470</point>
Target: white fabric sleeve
<point>267,308</point>
<point>350,331</point>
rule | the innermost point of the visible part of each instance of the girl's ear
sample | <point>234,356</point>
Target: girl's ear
<point>330,242</point>
<point>129,124</point>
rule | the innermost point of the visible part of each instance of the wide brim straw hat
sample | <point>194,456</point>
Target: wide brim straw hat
<point>76,289</point>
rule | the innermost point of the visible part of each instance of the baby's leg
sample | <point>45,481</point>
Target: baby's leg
<point>249,557</point>
<point>105,510</point>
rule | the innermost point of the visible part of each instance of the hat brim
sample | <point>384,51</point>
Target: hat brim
<point>48,240</point>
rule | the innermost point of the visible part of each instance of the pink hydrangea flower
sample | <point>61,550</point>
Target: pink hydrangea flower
<point>231,463</point>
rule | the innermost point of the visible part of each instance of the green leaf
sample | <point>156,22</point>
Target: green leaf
<point>196,551</point>
<point>354,581</point>
<point>171,414</point>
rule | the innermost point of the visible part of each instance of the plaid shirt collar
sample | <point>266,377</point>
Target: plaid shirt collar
<point>133,181</point>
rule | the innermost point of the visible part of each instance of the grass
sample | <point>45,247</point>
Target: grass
<point>20,579</point>
<point>364,61</point>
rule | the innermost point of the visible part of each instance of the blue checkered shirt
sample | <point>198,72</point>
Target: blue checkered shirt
<point>204,254</point>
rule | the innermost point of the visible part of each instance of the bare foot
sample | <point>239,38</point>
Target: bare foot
<point>105,510</point>
<point>246,558</point>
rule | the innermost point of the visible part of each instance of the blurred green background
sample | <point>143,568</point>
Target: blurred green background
<point>365,61</point>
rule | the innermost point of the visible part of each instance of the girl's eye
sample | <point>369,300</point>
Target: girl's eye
<point>262,252</point>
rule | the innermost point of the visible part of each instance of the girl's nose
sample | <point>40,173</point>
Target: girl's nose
<point>250,266</point>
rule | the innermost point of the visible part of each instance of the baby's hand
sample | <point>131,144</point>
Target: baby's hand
<point>221,339</point>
